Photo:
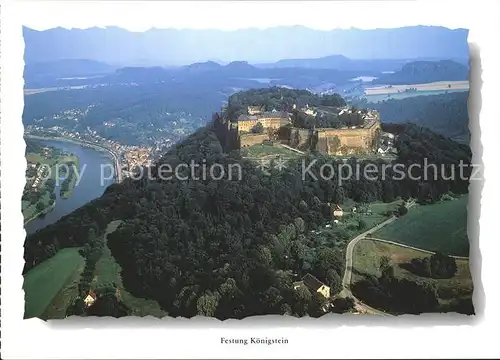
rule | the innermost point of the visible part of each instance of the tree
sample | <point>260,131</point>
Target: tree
<point>402,210</point>
<point>442,266</point>
<point>107,304</point>
<point>317,305</point>
<point>285,309</point>
<point>207,304</point>
<point>301,299</point>
<point>77,308</point>
<point>264,255</point>
<point>303,207</point>
<point>385,261</point>
<point>271,298</point>
<point>258,128</point>
<point>325,259</point>
<point>342,305</point>
<point>40,207</point>
<point>333,280</point>
<point>387,275</point>
<point>299,225</point>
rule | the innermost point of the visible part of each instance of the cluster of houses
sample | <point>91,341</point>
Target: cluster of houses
<point>41,174</point>
<point>313,284</point>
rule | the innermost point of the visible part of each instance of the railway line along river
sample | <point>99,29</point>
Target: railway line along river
<point>90,186</point>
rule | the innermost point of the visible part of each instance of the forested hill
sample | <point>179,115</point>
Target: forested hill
<point>228,248</point>
<point>446,114</point>
<point>280,99</point>
<point>66,68</point>
<point>419,72</point>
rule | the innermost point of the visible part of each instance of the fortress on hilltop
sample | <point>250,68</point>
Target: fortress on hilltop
<point>258,126</point>
<point>269,119</point>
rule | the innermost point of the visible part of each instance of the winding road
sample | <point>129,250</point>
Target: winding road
<point>346,281</point>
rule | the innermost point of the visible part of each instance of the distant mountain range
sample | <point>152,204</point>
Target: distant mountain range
<point>163,47</point>
<point>343,63</point>
<point>240,74</point>
<point>339,62</point>
<point>68,68</point>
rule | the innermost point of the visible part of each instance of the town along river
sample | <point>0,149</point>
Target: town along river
<point>89,187</point>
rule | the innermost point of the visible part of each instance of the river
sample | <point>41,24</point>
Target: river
<point>89,187</point>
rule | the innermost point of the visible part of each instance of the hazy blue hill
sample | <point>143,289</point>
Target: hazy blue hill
<point>206,75</point>
<point>417,72</point>
<point>340,62</point>
<point>203,66</point>
<point>68,67</point>
<point>180,47</point>
<point>41,72</point>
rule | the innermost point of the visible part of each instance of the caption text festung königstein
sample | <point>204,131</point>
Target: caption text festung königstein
<point>254,340</point>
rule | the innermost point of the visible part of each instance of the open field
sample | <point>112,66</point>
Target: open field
<point>108,271</point>
<point>44,283</point>
<point>379,212</point>
<point>366,262</point>
<point>40,90</point>
<point>437,227</point>
<point>375,98</point>
<point>434,86</point>
<point>34,158</point>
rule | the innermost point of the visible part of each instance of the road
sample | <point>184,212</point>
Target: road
<point>291,148</point>
<point>346,281</point>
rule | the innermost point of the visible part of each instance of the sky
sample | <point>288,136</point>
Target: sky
<point>229,15</point>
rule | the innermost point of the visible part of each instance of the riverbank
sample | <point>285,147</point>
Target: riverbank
<point>96,174</point>
<point>43,212</point>
<point>116,158</point>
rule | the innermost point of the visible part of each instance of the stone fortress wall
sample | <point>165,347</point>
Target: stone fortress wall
<point>269,119</point>
<point>235,135</point>
<point>348,141</point>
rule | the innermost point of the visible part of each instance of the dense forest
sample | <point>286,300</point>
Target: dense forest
<point>446,114</point>
<point>280,99</point>
<point>230,248</point>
